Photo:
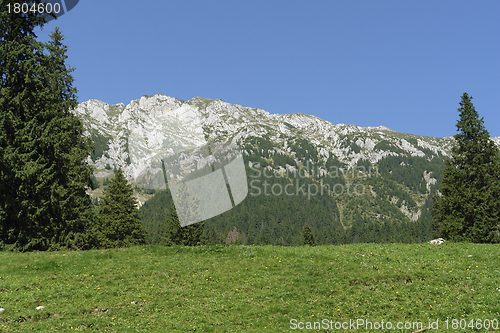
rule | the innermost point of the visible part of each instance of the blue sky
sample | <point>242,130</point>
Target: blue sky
<point>401,64</point>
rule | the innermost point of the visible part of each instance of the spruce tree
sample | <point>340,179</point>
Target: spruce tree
<point>119,222</point>
<point>190,235</point>
<point>43,176</point>
<point>308,236</point>
<point>469,207</point>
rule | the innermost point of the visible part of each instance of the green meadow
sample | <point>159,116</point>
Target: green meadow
<point>253,289</point>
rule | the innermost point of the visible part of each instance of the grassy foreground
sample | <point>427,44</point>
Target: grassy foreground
<point>251,289</point>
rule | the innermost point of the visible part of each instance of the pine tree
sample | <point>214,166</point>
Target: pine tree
<point>119,222</point>
<point>73,146</point>
<point>308,236</point>
<point>43,176</point>
<point>190,235</point>
<point>469,207</point>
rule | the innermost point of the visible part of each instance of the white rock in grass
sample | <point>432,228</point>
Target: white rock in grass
<point>437,241</point>
<point>40,307</point>
<point>2,310</point>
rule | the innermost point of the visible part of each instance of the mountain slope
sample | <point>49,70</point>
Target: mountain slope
<point>395,174</point>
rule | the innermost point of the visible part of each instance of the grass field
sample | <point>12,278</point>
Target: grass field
<point>252,289</point>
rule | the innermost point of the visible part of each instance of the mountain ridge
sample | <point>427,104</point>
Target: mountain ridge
<point>398,198</point>
<point>225,121</point>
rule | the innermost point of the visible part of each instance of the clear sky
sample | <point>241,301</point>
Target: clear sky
<point>401,64</point>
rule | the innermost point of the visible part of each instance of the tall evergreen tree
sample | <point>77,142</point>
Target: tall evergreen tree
<point>190,235</point>
<point>119,223</point>
<point>43,176</point>
<point>308,236</point>
<point>469,208</point>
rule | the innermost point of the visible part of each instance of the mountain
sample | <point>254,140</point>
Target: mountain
<point>391,176</point>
